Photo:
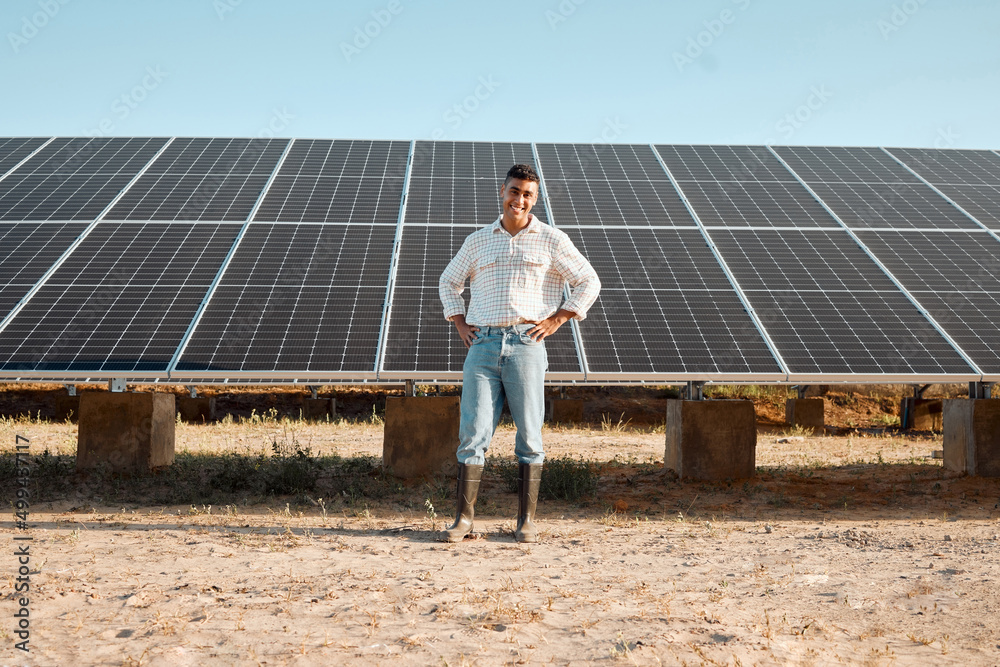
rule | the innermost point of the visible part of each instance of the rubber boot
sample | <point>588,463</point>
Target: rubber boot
<point>469,477</point>
<point>528,480</point>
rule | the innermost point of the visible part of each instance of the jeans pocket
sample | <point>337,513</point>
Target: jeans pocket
<point>529,341</point>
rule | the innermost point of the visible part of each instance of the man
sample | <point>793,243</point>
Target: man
<point>517,269</point>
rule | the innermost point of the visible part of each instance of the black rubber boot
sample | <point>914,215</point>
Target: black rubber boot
<point>469,477</point>
<point>528,480</point>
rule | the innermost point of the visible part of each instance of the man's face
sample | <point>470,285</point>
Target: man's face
<point>518,196</point>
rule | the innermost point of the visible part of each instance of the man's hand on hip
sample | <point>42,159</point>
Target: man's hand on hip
<point>550,325</point>
<point>466,332</point>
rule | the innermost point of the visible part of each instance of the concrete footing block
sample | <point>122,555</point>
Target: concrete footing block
<point>67,407</point>
<point>420,436</point>
<point>806,412</point>
<point>318,409</point>
<point>972,436</point>
<point>128,432</point>
<point>198,410</point>
<point>564,410</point>
<point>921,414</point>
<point>711,440</point>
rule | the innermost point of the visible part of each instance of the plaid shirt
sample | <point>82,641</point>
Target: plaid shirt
<point>516,279</point>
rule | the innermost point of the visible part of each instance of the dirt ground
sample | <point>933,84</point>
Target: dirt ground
<point>856,548</point>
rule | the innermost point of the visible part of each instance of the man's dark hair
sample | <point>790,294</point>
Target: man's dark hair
<point>525,172</point>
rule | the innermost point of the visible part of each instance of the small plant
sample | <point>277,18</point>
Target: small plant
<point>614,427</point>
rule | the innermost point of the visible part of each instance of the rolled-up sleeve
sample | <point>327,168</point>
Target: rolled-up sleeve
<point>581,276</point>
<point>451,284</point>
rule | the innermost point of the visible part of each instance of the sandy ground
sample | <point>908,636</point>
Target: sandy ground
<point>843,550</point>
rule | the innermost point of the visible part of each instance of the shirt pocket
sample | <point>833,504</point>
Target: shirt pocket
<point>532,270</point>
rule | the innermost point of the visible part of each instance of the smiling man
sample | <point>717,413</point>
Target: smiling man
<point>517,270</point>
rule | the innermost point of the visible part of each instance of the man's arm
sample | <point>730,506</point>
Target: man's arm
<point>466,332</point>
<point>584,288</point>
<point>451,284</point>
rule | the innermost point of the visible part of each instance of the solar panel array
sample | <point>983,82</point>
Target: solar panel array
<point>317,261</point>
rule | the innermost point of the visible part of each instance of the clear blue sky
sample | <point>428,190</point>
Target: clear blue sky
<point>851,72</point>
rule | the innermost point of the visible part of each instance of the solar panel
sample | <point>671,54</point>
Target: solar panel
<point>609,184</point>
<point>73,179</point>
<point>666,307</point>
<point>868,189</point>
<point>14,149</point>
<point>969,178</point>
<point>454,188</point>
<point>829,308</point>
<point>338,181</point>
<point>27,251</point>
<point>742,186</point>
<point>202,179</point>
<point>956,277</point>
<point>296,299</point>
<point>120,302</point>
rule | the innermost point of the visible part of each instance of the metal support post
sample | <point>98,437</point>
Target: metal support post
<point>802,390</point>
<point>192,390</point>
<point>980,389</point>
<point>410,389</point>
<point>70,389</point>
<point>695,391</point>
<point>117,385</point>
<point>315,391</point>
<point>562,391</point>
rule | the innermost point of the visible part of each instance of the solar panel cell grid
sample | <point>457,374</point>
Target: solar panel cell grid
<point>296,298</point>
<point>742,164</point>
<point>202,179</point>
<point>956,167</point>
<point>120,302</point>
<point>895,205</point>
<point>853,333</point>
<point>829,308</point>
<point>73,179</point>
<point>818,164</point>
<point>933,261</point>
<point>14,149</point>
<point>645,332</point>
<point>338,181</point>
<point>605,184</point>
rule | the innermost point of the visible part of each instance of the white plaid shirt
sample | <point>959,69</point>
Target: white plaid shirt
<point>516,279</point>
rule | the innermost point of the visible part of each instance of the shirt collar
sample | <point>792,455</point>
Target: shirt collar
<point>533,227</point>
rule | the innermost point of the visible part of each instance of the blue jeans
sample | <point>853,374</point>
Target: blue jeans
<point>503,362</point>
